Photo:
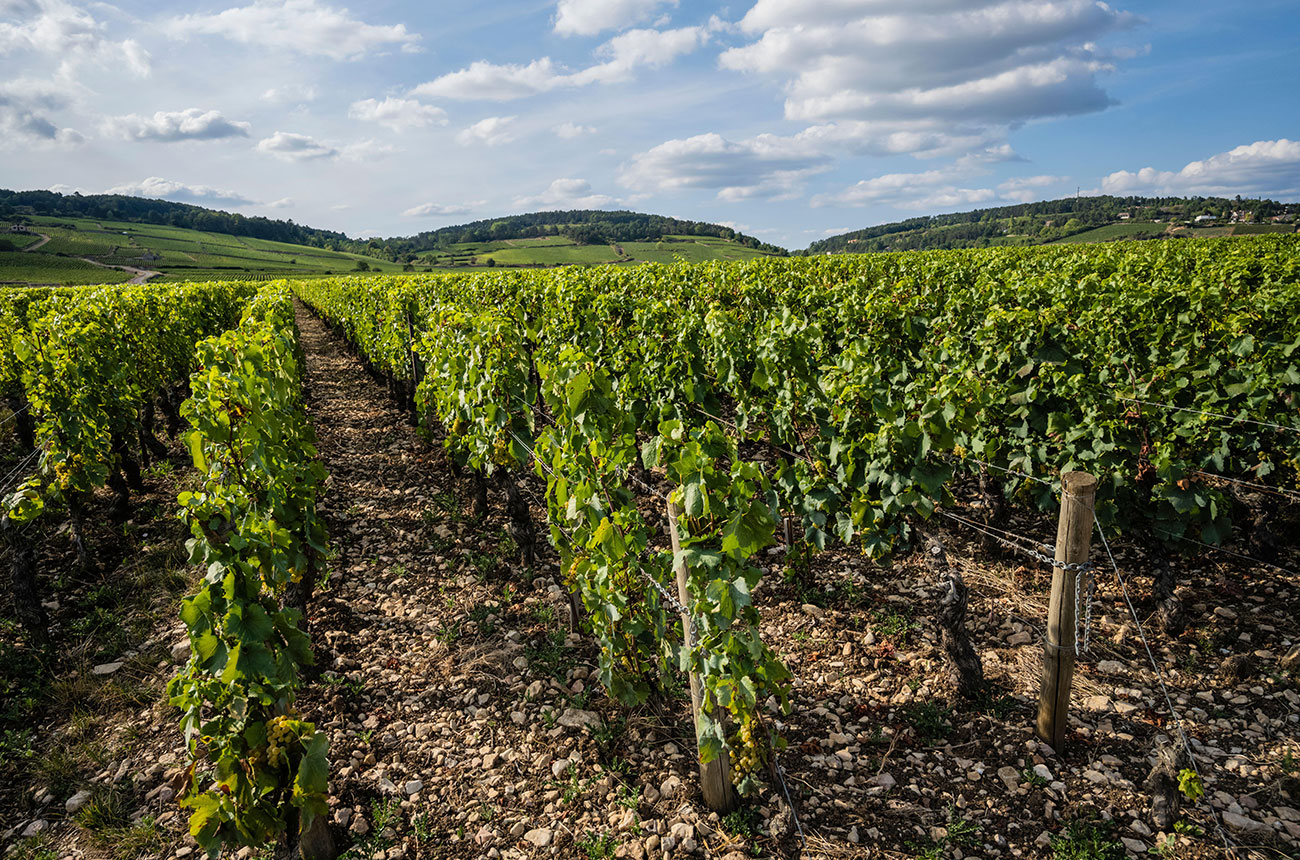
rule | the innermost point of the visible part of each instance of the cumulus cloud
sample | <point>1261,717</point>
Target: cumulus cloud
<point>493,131</point>
<point>1269,168</point>
<point>68,33</point>
<point>290,93</point>
<point>764,166</point>
<point>398,114</point>
<point>620,57</point>
<point>589,17</point>
<point>172,126</point>
<point>570,130</point>
<point>295,147</point>
<point>27,111</point>
<point>299,26</point>
<point>569,194</point>
<point>946,187</point>
<point>167,189</point>
<point>282,203</point>
<point>424,210</point>
<point>367,150</point>
<point>982,63</point>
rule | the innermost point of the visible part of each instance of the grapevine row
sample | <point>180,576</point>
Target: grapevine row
<point>846,392</point>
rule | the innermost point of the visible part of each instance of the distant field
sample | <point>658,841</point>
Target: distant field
<point>1257,229</point>
<point>178,253</point>
<point>19,267</point>
<point>18,241</point>
<point>554,255</point>
<point>1112,232</point>
<point>692,249</point>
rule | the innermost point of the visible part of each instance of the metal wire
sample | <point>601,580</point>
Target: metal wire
<point>1277,491</point>
<point>1295,430</point>
<point>13,416</point>
<point>1227,551</point>
<point>17,472</point>
<point>1076,566</point>
<point>1160,677</point>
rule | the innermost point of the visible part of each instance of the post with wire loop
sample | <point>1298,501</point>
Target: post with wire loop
<point>1073,542</point>
<point>715,776</point>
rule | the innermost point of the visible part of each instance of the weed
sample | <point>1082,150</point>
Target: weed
<point>160,469</point>
<point>544,615</point>
<point>1288,763</point>
<point>1086,840</point>
<point>398,571</point>
<point>107,811</point>
<point>1031,777</point>
<point>597,846</point>
<point>548,656</point>
<point>893,623</point>
<point>33,848</point>
<point>1186,828</point>
<point>628,797</point>
<point>930,720</point>
<point>743,822</point>
<point>365,735</point>
<point>960,830</point>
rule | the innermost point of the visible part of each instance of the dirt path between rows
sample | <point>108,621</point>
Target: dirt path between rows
<point>141,275</point>
<point>39,244</point>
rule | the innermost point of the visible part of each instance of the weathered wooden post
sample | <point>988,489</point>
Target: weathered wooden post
<point>715,777</point>
<point>1073,541</point>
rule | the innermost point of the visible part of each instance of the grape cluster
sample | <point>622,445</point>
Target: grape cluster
<point>501,450</point>
<point>278,734</point>
<point>745,754</point>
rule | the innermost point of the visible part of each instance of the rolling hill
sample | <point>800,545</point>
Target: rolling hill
<point>1071,219</point>
<point>51,238</point>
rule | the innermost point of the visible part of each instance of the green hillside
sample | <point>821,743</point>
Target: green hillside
<point>1072,219</point>
<point>41,243</point>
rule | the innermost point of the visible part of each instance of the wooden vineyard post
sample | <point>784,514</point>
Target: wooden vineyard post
<point>715,777</point>
<point>1073,541</point>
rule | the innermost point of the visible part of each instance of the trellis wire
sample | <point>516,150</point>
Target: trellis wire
<point>1284,427</point>
<point>1160,677</point>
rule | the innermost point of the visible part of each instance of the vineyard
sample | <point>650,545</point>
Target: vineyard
<point>727,559</point>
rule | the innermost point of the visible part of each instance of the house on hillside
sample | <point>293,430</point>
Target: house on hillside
<point>1203,219</point>
<point>17,228</point>
<point>1124,216</point>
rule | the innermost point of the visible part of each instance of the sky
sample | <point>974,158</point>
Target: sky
<point>790,120</point>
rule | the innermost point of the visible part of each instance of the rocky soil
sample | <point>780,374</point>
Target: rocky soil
<point>466,721</point>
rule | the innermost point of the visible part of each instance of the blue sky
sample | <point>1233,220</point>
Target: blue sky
<point>787,119</point>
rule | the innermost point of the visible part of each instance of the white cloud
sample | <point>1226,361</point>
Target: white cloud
<point>290,93</point>
<point>569,194</point>
<point>493,131</point>
<point>570,130</point>
<point>985,64</point>
<point>298,26</point>
<point>944,187</point>
<point>282,203</point>
<point>589,17</point>
<point>621,56</point>
<point>764,166</point>
<point>426,209</point>
<point>367,150</point>
<point>398,114</point>
<point>68,33</point>
<point>167,189</point>
<point>295,147</point>
<point>26,114</point>
<point>1024,189</point>
<point>171,126</point>
<point>1269,168</point>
